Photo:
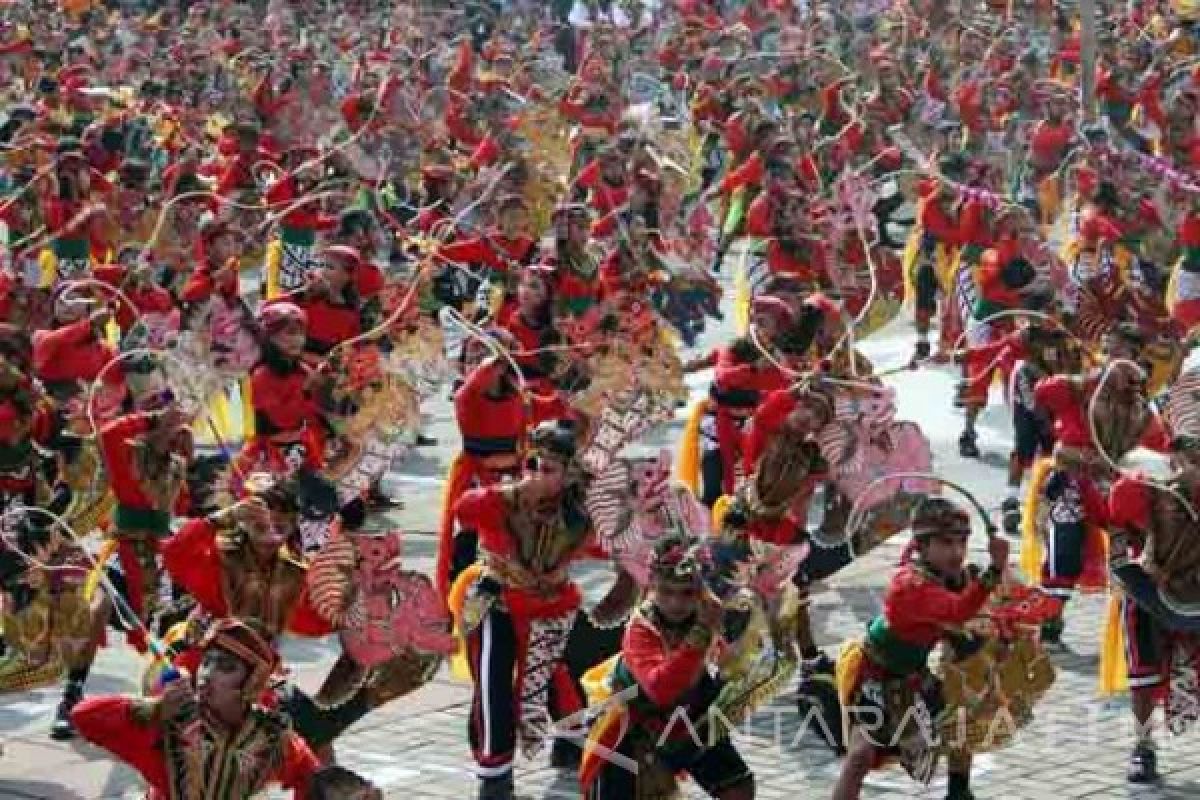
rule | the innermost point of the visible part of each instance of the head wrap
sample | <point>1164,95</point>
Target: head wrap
<point>939,516</point>
<point>248,645</point>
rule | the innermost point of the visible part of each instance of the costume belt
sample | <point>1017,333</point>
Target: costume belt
<point>296,436</point>
<point>514,576</point>
<point>141,522</point>
<point>891,652</point>
<point>486,446</point>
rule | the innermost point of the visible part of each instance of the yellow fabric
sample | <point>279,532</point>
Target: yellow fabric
<point>229,429</point>
<point>1114,673</point>
<point>595,681</point>
<point>459,669</point>
<point>274,264</point>
<point>1032,549</point>
<point>47,268</point>
<point>719,510</point>
<point>93,579</point>
<point>248,426</point>
<point>846,675</point>
<point>946,263</point>
<point>908,264</point>
<point>741,294</point>
<point>687,466</point>
<point>1172,296</point>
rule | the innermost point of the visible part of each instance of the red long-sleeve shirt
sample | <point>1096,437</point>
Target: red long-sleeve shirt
<point>110,722</point>
<point>481,417</point>
<point>580,111</point>
<point>306,216</point>
<point>117,440</point>
<point>494,250</point>
<point>664,673</point>
<point>936,222</point>
<point>281,402</point>
<point>749,381</point>
<point>1059,396</point>
<point>919,610</point>
<point>605,197</point>
<point>146,299</point>
<point>72,353</point>
<point>193,560</point>
<point>765,424</point>
<point>749,173</point>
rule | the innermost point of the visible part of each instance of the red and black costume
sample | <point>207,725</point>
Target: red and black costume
<point>150,487</point>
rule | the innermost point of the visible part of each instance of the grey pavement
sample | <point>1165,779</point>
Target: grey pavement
<point>416,747</point>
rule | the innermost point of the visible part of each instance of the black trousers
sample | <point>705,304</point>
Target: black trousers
<point>491,727</point>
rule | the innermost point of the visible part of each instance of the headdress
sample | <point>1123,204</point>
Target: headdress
<point>251,647</point>
<point>935,515</point>
<point>676,562</point>
<point>277,316</point>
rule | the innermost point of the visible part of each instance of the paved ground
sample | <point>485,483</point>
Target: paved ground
<point>416,747</point>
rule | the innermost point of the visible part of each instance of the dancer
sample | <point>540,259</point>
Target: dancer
<point>668,654</point>
<point>207,737</point>
<point>930,599</point>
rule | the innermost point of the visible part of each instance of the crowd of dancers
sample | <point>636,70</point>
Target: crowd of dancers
<point>244,244</point>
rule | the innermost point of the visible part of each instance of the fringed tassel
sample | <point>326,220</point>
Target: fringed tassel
<point>737,212</point>
<point>595,681</point>
<point>1172,295</point>
<point>1032,549</point>
<point>249,428</point>
<point>1114,675</point>
<point>604,737</point>
<point>1049,201</point>
<point>687,466</point>
<point>947,262</point>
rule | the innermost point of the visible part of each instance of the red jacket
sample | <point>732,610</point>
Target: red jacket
<point>663,672</point>
<point>117,442</point>
<point>146,299</point>
<point>72,353</point>
<point>919,609</point>
<point>281,402</point>
<point>110,722</point>
<point>192,558</point>
<point>936,222</point>
<point>304,215</point>
<point>489,424</point>
<point>1059,396</point>
<point>494,250</point>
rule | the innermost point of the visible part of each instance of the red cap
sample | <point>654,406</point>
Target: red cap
<point>343,254</point>
<point>277,316</point>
